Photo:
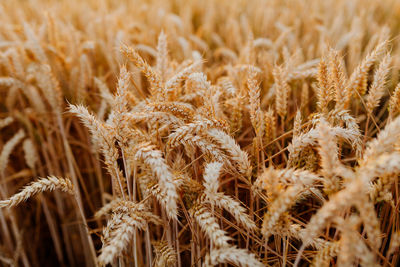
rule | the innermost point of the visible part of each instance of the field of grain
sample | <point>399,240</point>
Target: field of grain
<point>199,133</point>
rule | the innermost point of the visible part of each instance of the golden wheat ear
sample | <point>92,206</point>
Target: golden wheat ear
<point>50,183</point>
<point>233,255</point>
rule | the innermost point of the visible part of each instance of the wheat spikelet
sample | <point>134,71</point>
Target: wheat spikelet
<point>10,82</point>
<point>211,174</point>
<point>211,184</point>
<point>338,80</point>
<point>103,136</point>
<point>233,255</point>
<point>8,148</point>
<point>18,69</point>
<point>43,184</point>
<point>381,189</point>
<point>186,73</point>
<point>394,103</point>
<point>310,138</point>
<point>30,153</point>
<point>305,95</point>
<point>348,242</point>
<point>166,255</point>
<point>328,152</point>
<point>328,211</point>
<point>107,208</point>
<point>85,75</point>
<point>112,224</point>
<point>296,231</point>
<point>120,237</point>
<point>352,246</point>
<point>394,243</point>
<point>324,92</point>
<point>384,167</point>
<point>287,176</point>
<point>178,109</point>
<point>166,119</point>
<point>302,74</point>
<point>49,85</point>
<point>325,255</point>
<point>377,88</point>
<point>358,79</point>
<point>370,220</point>
<point>234,208</point>
<point>120,99</point>
<point>206,147</point>
<point>208,224</point>
<point>6,121</point>
<point>104,91</point>
<point>154,159</point>
<point>153,78</point>
<point>227,86</point>
<point>383,143</point>
<point>192,128</point>
<point>256,114</point>
<point>270,126</point>
<point>32,93</point>
<point>96,127</point>
<point>271,180</point>
<point>278,207</point>
<point>33,44</point>
<point>229,144</point>
<point>162,55</point>
<point>282,92</point>
<point>297,124</point>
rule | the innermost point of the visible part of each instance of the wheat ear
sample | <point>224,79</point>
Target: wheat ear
<point>43,184</point>
<point>165,254</point>
<point>168,185</point>
<point>233,255</point>
<point>209,224</point>
<point>229,144</point>
<point>6,121</point>
<point>152,76</point>
<point>378,85</point>
<point>8,148</point>
<point>120,237</point>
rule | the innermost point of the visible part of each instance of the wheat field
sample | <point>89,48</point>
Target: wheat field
<point>199,133</point>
